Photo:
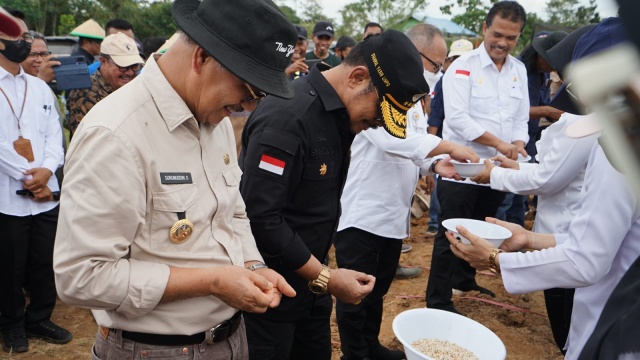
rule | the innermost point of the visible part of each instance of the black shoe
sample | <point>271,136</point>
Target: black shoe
<point>407,273</point>
<point>379,352</point>
<point>15,340</point>
<point>481,290</point>
<point>431,231</point>
<point>48,331</point>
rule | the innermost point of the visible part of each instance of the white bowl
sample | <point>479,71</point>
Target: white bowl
<point>468,169</point>
<point>495,234</point>
<point>522,158</point>
<point>416,324</point>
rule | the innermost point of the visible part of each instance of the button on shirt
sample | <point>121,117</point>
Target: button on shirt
<point>600,246</point>
<point>295,156</point>
<point>382,177</point>
<point>478,98</point>
<point>40,125</point>
<point>113,251</point>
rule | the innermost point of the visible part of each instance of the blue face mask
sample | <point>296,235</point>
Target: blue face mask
<point>16,51</point>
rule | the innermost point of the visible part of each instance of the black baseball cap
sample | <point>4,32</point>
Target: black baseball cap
<point>396,69</point>
<point>323,28</point>
<point>252,39</point>
<point>302,32</point>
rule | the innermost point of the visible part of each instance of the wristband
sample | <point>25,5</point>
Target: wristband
<point>432,168</point>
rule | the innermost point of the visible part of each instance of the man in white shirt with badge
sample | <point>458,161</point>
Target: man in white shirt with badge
<point>486,102</point>
<point>30,153</point>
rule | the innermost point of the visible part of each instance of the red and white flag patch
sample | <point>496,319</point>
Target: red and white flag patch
<point>462,74</point>
<point>271,164</point>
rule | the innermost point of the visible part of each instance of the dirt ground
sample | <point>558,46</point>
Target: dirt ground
<point>524,330</point>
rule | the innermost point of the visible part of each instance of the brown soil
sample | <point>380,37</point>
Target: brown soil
<point>526,335</point>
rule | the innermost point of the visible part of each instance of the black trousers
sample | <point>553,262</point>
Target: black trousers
<point>26,261</point>
<point>559,303</point>
<point>303,333</point>
<point>359,325</point>
<point>457,200</point>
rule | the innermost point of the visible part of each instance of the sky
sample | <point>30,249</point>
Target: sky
<point>331,8</point>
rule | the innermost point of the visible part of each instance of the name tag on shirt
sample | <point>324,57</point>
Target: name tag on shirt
<point>175,178</point>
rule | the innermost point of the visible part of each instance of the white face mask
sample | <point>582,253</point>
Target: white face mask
<point>431,78</point>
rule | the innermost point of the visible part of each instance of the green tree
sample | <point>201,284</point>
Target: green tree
<point>290,13</point>
<point>66,24</point>
<point>386,12</point>
<point>570,13</point>
<point>473,13</point>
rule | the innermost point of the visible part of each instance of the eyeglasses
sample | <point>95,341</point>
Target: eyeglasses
<point>134,67</point>
<point>41,53</point>
<point>253,97</point>
<point>27,37</point>
<point>378,119</point>
<point>435,65</point>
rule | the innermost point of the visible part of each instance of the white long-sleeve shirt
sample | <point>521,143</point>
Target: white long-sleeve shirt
<point>40,125</point>
<point>382,177</point>
<point>557,179</point>
<point>478,98</point>
<point>602,243</point>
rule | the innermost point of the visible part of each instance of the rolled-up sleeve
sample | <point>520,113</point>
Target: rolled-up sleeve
<point>99,218</point>
<point>415,147</point>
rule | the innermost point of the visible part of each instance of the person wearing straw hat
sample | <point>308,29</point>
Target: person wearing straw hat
<point>153,235</point>
<point>90,34</point>
<point>120,63</point>
<point>295,156</point>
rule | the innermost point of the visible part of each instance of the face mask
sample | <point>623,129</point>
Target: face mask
<point>431,78</point>
<point>16,51</point>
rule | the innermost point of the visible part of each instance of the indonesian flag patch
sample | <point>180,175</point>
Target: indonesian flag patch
<point>271,164</point>
<point>462,74</point>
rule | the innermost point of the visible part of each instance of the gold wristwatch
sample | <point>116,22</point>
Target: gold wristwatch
<point>493,267</point>
<point>319,285</point>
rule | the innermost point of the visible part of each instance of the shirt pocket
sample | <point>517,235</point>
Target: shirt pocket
<point>318,180</point>
<point>515,97</point>
<point>482,100</point>
<point>166,208</point>
<point>232,177</point>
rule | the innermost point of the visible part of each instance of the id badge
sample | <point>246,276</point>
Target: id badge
<point>23,148</point>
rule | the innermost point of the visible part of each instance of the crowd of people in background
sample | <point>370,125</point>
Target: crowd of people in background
<point>180,243</point>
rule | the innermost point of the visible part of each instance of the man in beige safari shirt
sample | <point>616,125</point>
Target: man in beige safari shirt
<point>153,234</point>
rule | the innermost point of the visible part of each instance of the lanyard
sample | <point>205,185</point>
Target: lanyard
<point>26,85</point>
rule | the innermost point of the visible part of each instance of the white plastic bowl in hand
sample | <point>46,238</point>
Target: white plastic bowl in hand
<point>522,158</point>
<point>493,233</point>
<point>416,324</point>
<point>469,169</point>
